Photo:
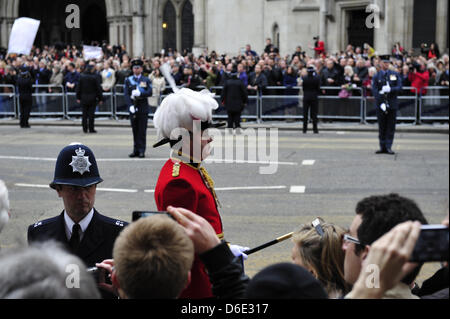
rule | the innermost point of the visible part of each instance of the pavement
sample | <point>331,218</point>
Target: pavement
<point>425,128</point>
<point>314,175</point>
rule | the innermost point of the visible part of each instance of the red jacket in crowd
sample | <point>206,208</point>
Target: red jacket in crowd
<point>419,81</point>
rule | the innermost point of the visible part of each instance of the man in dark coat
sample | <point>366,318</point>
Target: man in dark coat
<point>80,227</point>
<point>25,88</point>
<point>234,98</point>
<point>311,91</point>
<point>89,93</point>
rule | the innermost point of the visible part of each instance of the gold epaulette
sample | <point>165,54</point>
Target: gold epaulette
<point>221,236</point>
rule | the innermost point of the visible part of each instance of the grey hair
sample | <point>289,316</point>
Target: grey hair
<point>42,271</point>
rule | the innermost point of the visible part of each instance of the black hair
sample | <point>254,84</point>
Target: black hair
<point>380,214</point>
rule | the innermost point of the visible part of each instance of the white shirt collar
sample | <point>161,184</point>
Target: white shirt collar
<point>84,223</point>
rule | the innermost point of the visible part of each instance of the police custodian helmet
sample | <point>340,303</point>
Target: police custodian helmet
<point>76,166</point>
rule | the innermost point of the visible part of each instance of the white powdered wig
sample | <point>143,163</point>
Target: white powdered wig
<point>181,109</point>
<point>4,205</point>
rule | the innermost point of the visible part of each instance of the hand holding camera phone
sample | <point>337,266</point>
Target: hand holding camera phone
<point>432,245</point>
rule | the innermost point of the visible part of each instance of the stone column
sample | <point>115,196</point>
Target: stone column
<point>199,27</point>
<point>179,33</point>
<point>138,34</point>
<point>323,12</point>
<point>441,24</point>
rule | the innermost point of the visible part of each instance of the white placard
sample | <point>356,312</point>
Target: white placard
<point>23,34</point>
<point>91,52</point>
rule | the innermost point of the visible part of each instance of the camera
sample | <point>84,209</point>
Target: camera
<point>432,245</point>
<point>143,214</point>
<point>97,272</point>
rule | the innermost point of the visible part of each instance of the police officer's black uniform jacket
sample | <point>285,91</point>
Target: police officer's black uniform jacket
<point>98,239</point>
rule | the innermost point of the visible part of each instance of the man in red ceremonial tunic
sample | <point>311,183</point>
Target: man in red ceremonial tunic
<point>182,120</point>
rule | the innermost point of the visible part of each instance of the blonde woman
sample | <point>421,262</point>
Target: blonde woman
<point>158,86</point>
<point>318,248</point>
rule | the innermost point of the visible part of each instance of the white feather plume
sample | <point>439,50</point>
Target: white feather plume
<point>179,110</point>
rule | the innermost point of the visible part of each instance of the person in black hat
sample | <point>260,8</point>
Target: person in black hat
<point>386,85</point>
<point>138,89</point>
<point>234,98</point>
<point>89,93</point>
<point>311,91</point>
<point>285,281</point>
<point>24,85</point>
<point>80,227</point>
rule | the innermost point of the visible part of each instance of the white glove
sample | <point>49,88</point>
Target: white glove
<point>239,251</point>
<point>132,109</point>
<point>135,93</point>
<point>383,107</point>
<point>386,89</point>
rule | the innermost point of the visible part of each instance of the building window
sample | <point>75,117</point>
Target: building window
<point>187,23</point>
<point>276,36</point>
<point>169,25</point>
<point>424,28</point>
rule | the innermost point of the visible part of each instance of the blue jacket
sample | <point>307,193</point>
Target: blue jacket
<point>395,82</point>
<point>71,77</point>
<point>145,86</point>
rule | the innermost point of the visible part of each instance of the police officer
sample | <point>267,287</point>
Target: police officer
<point>183,182</point>
<point>311,91</point>
<point>80,227</point>
<point>89,93</point>
<point>138,89</point>
<point>24,85</point>
<point>386,85</point>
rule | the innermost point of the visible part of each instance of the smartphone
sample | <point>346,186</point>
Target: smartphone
<point>142,214</point>
<point>432,244</point>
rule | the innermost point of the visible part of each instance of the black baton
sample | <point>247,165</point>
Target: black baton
<point>270,243</point>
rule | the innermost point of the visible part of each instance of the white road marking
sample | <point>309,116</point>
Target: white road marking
<point>223,189</point>
<point>208,161</point>
<point>249,188</point>
<point>308,162</point>
<point>116,190</point>
<point>298,189</point>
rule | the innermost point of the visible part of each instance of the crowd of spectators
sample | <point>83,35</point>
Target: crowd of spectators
<point>353,67</point>
<point>152,258</point>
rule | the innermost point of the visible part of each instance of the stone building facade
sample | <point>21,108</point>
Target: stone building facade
<point>148,26</point>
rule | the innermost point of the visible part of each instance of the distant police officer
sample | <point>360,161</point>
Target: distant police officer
<point>25,87</point>
<point>183,182</point>
<point>89,93</point>
<point>84,231</point>
<point>138,89</point>
<point>311,91</point>
<point>386,85</point>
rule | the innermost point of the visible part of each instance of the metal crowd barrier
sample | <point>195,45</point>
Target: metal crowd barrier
<point>407,106</point>
<point>8,101</point>
<point>73,108</point>
<point>331,106</point>
<point>434,106</point>
<point>250,112</point>
<point>48,100</point>
<point>275,103</point>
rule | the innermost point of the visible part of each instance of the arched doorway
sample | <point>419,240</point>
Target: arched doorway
<point>93,24</point>
<point>53,29</point>
<point>187,27</point>
<point>169,27</point>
